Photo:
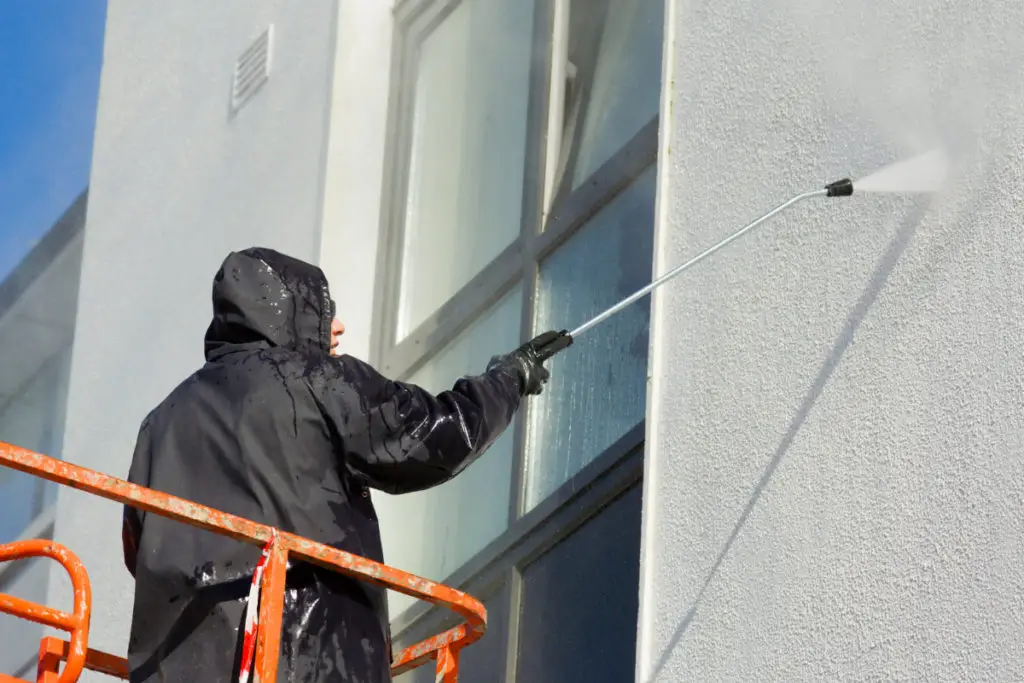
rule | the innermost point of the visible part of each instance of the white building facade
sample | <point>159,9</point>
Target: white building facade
<point>801,461</point>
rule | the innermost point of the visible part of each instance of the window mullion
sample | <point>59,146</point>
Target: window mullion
<point>517,499</point>
<point>405,54</point>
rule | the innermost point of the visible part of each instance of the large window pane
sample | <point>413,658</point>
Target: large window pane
<point>432,533</point>
<point>597,389</point>
<point>468,151</point>
<point>613,81</point>
<point>580,602</point>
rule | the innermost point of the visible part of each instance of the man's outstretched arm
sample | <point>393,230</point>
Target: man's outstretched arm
<point>398,437</point>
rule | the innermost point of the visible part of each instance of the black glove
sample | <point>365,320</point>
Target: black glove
<point>528,360</point>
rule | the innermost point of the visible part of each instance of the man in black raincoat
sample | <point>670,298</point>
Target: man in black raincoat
<point>278,428</point>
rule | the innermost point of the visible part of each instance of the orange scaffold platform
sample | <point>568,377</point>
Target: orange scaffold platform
<point>75,654</point>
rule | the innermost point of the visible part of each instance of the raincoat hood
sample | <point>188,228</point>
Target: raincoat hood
<point>263,296</point>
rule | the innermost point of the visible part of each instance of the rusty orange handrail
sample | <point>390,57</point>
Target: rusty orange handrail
<point>76,623</point>
<point>443,648</point>
<point>53,651</point>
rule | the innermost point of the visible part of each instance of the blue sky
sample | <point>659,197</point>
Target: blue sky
<point>50,57</point>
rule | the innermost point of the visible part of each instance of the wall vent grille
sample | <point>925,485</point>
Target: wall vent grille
<point>252,69</point>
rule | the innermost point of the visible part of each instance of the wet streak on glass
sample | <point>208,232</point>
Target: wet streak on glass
<point>597,391</point>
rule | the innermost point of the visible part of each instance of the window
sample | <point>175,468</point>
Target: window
<point>611,64</point>
<point>597,391</point>
<point>468,147</point>
<point>523,173</point>
<point>582,597</point>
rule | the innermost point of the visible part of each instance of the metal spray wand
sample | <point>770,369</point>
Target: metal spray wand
<point>840,188</point>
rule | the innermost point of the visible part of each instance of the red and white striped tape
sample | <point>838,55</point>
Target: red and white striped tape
<point>252,613</point>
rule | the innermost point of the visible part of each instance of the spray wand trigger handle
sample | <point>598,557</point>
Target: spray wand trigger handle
<point>551,343</point>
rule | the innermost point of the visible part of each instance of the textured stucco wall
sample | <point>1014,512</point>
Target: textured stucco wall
<point>175,185</point>
<point>836,457</point>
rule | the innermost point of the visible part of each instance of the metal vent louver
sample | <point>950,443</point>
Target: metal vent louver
<point>252,69</point>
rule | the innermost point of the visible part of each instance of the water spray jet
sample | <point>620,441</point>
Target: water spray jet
<point>923,173</point>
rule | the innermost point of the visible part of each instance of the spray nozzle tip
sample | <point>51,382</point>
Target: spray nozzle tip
<point>840,188</point>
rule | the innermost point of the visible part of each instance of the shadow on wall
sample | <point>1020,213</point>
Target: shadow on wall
<point>906,233</point>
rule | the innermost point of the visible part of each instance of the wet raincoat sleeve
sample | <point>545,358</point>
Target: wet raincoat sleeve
<point>399,438</point>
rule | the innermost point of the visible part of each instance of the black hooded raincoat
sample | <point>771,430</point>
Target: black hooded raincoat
<point>274,429</point>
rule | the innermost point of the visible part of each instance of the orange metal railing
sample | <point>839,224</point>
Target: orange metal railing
<point>76,623</point>
<point>443,648</point>
<point>53,651</point>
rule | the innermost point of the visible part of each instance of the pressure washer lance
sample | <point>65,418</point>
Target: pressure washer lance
<point>840,188</point>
